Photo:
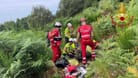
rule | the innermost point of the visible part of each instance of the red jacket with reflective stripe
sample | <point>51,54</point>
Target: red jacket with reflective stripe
<point>85,31</point>
<point>52,34</point>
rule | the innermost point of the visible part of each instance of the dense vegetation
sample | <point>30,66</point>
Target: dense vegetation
<point>23,54</point>
<point>23,51</point>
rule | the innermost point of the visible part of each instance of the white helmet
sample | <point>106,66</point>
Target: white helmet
<point>74,39</point>
<point>69,25</point>
<point>71,39</point>
<point>58,24</point>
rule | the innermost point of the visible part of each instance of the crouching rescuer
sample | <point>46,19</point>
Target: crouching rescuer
<point>69,48</point>
<point>85,36</point>
<point>55,41</point>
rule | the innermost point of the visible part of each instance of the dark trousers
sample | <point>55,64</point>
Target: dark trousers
<point>66,39</point>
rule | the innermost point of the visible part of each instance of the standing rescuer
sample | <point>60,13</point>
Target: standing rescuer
<point>85,34</point>
<point>55,40</point>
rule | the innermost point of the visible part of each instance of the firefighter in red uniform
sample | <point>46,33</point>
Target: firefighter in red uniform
<point>55,40</point>
<point>85,34</point>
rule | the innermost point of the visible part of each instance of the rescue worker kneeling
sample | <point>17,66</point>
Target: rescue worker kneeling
<point>69,49</point>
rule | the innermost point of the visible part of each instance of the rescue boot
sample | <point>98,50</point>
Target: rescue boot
<point>84,61</point>
<point>93,56</point>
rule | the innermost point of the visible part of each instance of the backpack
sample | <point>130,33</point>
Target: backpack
<point>61,62</point>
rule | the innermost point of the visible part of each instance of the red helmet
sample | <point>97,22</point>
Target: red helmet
<point>83,19</point>
<point>71,68</point>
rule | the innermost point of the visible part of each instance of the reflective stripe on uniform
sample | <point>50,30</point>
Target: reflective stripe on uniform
<point>85,36</point>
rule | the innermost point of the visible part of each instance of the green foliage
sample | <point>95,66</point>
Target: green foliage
<point>1,27</point>
<point>129,75</point>
<point>23,53</point>
<point>3,57</point>
<point>99,68</point>
<point>106,4</point>
<point>126,38</point>
<point>26,53</point>
<point>9,25</point>
<point>39,17</point>
<point>132,9</point>
<point>66,8</point>
<point>90,13</point>
<point>56,75</point>
<point>103,28</point>
<point>72,7</point>
<point>22,24</point>
<point>112,61</point>
<point>38,20</point>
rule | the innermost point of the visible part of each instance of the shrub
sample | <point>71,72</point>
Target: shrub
<point>28,51</point>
